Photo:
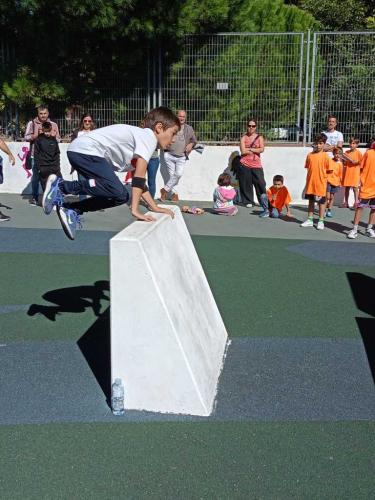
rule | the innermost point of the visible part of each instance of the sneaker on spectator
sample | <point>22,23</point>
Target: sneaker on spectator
<point>33,202</point>
<point>70,220</point>
<point>3,217</point>
<point>249,205</point>
<point>264,214</point>
<point>353,234</point>
<point>329,213</point>
<point>320,225</point>
<point>175,197</point>
<point>344,205</point>
<point>370,233</point>
<point>52,194</point>
<point>307,223</point>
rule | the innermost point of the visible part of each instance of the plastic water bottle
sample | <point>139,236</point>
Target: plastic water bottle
<point>118,397</point>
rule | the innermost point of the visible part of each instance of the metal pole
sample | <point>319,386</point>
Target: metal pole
<point>312,87</point>
<point>306,87</point>
<point>148,81</point>
<point>160,78</point>
<point>300,89</point>
<point>154,79</point>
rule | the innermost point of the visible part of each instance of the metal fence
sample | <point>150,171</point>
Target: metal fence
<point>289,82</point>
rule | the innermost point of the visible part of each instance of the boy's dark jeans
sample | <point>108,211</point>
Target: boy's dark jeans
<point>99,181</point>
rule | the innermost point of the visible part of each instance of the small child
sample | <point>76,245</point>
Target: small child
<point>276,199</point>
<point>232,169</point>
<point>352,172</point>
<point>366,194</point>
<point>333,179</point>
<point>224,195</point>
<point>317,165</point>
<point>46,154</point>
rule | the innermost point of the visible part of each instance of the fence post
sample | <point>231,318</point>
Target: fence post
<point>300,89</point>
<point>312,88</point>
<point>306,87</point>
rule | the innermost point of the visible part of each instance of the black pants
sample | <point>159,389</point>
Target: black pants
<point>99,181</point>
<point>44,172</point>
<point>249,178</point>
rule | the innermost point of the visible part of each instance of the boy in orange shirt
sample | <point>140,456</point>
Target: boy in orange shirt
<point>276,199</point>
<point>352,171</point>
<point>366,194</point>
<point>317,165</point>
<point>333,179</point>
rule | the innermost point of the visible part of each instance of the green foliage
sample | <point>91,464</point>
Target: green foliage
<point>342,15</point>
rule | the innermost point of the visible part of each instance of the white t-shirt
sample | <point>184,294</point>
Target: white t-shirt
<point>118,144</point>
<point>333,137</point>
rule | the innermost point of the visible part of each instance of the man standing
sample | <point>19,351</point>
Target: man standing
<point>33,129</point>
<point>176,156</point>
<point>335,138</point>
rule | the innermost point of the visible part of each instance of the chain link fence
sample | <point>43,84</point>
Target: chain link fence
<point>289,82</point>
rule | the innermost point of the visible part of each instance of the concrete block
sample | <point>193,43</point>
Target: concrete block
<point>168,339</point>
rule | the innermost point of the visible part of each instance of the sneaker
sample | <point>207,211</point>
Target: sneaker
<point>33,202</point>
<point>52,194</point>
<point>249,205</point>
<point>307,223</point>
<point>320,225</point>
<point>163,195</point>
<point>264,214</point>
<point>353,234</point>
<point>370,233</point>
<point>4,218</point>
<point>329,213</point>
<point>69,219</point>
<point>344,205</point>
<point>175,197</point>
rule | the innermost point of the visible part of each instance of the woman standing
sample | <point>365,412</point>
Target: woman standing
<point>250,170</point>
<point>85,125</point>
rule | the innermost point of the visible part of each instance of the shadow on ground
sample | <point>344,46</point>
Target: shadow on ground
<point>363,287</point>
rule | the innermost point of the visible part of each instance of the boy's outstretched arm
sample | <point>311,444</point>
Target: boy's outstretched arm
<point>288,212</point>
<point>137,190</point>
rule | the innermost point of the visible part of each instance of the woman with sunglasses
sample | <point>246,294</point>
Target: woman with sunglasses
<point>85,125</point>
<point>250,171</point>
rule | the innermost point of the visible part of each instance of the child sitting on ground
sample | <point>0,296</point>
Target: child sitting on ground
<point>224,195</point>
<point>352,171</point>
<point>317,165</point>
<point>333,179</point>
<point>366,194</point>
<point>276,199</point>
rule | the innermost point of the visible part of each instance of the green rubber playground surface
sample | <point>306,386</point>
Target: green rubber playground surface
<point>296,405</point>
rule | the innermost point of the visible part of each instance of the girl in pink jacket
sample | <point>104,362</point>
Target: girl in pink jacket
<point>224,196</point>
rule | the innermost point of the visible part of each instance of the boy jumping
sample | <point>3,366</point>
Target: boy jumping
<point>97,154</point>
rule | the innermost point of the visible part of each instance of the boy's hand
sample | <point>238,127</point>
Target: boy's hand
<point>11,159</point>
<point>161,210</point>
<point>146,217</point>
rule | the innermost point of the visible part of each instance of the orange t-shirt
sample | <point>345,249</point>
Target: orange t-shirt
<point>317,165</point>
<point>278,198</point>
<point>334,177</point>
<point>367,187</point>
<point>352,172</point>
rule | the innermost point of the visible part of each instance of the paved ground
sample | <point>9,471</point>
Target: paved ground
<point>295,408</point>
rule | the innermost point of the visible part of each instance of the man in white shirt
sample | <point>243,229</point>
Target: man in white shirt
<point>335,139</point>
<point>97,154</point>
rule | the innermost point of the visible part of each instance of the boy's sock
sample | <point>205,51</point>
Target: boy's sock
<point>369,226</point>
<point>355,226</point>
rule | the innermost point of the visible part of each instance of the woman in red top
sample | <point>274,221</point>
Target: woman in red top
<point>250,169</point>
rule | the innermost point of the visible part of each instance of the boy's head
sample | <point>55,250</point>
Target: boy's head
<point>278,181</point>
<point>164,123</point>
<point>319,142</point>
<point>353,142</point>
<point>224,180</point>
<point>370,143</point>
<point>336,153</point>
<point>47,128</point>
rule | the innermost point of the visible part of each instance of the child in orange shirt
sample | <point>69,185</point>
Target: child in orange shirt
<point>352,171</point>
<point>276,199</point>
<point>333,179</point>
<point>366,194</point>
<point>317,165</point>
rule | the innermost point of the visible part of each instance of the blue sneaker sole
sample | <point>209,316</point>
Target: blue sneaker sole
<point>64,224</point>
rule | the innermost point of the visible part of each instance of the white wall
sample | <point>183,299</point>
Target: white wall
<point>201,173</point>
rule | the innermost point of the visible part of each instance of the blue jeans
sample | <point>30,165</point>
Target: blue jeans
<point>152,170</point>
<point>267,207</point>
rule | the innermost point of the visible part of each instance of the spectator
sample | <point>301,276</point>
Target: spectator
<point>152,170</point>
<point>335,138</point>
<point>33,129</point>
<point>6,150</point>
<point>85,125</point>
<point>250,171</point>
<point>46,154</point>
<point>176,156</point>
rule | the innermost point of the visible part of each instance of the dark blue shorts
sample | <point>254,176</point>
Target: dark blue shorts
<point>366,203</point>
<point>318,199</point>
<point>332,189</point>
